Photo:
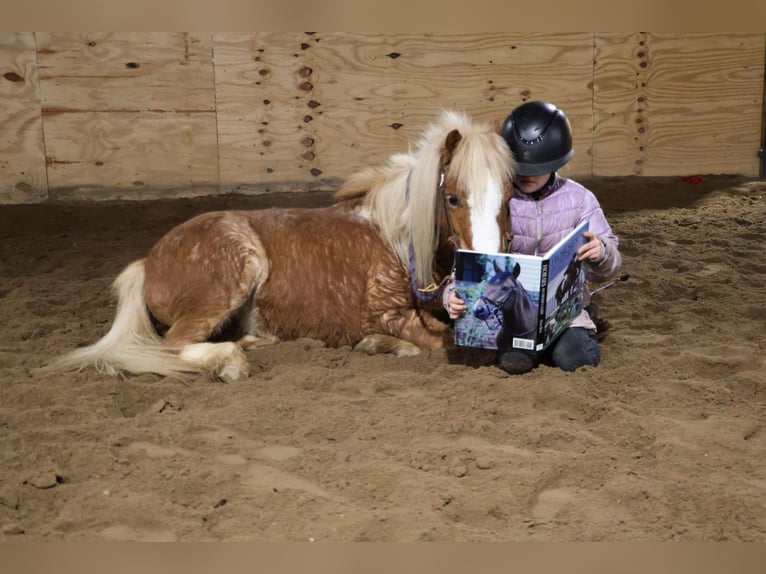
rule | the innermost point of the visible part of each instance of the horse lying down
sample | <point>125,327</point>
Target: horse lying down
<point>356,273</point>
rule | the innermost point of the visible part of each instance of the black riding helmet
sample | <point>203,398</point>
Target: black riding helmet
<point>539,136</point>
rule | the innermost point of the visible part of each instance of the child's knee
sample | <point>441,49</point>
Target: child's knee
<point>576,348</point>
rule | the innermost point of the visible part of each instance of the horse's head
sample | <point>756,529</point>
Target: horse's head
<point>505,299</point>
<point>475,169</point>
<point>456,183</point>
<point>499,289</point>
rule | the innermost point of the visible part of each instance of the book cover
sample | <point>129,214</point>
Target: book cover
<point>519,301</point>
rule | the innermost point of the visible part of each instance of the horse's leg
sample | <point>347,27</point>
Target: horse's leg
<point>379,343</point>
<point>225,360</point>
<point>426,331</point>
<point>248,320</point>
<point>407,332</point>
<point>201,282</point>
<point>250,342</point>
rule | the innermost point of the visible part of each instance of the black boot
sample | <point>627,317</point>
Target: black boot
<point>516,362</point>
<point>602,325</point>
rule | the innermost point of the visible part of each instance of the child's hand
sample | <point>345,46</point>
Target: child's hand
<point>593,250</point>
<point>456,306</point>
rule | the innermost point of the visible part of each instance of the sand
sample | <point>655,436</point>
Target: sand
<point>665,440</point>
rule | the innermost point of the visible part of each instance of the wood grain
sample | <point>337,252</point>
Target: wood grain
<point>313,108</point>
<point>262,104</point>
<point>131,155</point>
<point>128,114</point>
<point>140,115</point>
<point>22,156</point>
<point>669,104</point>
<point>129,71</point>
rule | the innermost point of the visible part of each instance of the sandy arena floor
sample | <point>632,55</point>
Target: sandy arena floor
<point>666,440</point>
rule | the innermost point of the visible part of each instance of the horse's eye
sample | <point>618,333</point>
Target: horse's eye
<point>453,200</point>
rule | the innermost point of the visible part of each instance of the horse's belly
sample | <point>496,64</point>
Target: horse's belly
<point>329,286</point>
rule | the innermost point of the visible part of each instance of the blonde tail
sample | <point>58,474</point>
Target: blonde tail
<point>131,345</point>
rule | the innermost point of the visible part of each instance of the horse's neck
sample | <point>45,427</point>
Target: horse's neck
<point>523,309</point>
<point>444,259</point>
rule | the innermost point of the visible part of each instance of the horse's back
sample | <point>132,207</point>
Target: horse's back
<point>315,272</point>
<point>330,274</point>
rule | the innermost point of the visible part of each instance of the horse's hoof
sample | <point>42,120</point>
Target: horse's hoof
<point>250,342</point>
<point>379,343</point>
<point>232,373</point>
<point>407,349</point>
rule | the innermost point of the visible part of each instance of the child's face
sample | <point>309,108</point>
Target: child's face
<point>531,183</point>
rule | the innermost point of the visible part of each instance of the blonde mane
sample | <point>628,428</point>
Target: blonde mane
<point>401,197</point>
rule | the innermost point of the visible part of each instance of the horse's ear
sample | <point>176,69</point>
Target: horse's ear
<point>516,270</point>
<point>498,269</point>
<point>453,138</point>
<point>450,145</point>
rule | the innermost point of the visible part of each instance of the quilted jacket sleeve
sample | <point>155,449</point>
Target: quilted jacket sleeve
<point>609,265</point>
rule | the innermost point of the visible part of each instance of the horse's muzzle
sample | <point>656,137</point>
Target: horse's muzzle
<point>482,310</point>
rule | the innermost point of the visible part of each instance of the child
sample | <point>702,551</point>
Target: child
<point>543,209</point>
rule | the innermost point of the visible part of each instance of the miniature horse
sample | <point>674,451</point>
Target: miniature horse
<point>355,273</point>
<point>505,299</point>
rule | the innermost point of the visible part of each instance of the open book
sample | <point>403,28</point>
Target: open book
<point>519,301</point>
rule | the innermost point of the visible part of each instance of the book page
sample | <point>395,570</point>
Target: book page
<point>502,293</point>
<point>566,280</point>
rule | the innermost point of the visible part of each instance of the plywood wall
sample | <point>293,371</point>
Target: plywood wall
<point>22,155</point>
<point>138,115</point>
<point>126,111</point>
<point>316,107</point>
<point>670,104</point>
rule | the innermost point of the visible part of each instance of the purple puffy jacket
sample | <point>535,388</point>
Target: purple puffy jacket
<point>538,224</point>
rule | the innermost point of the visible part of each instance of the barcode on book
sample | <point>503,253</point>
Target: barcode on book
<point>527,344</point>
